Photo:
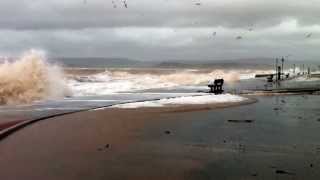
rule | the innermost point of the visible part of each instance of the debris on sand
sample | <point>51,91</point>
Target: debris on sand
<point>242,148</point>
<point>276,109</point>
<point>203,146</point>
<point>278,171</point>
<point>107,146</point>
<point>240,121</point>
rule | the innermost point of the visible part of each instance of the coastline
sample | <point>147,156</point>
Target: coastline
<point>190,107</point>
<point>11,126</point>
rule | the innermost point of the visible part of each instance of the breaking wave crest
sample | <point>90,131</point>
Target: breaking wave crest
<point>30,78</point>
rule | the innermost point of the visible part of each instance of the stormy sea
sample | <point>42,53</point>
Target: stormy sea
<point>33,86</point>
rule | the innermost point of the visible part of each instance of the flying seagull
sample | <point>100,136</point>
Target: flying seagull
<point>239,37</point>
<point>125,4</point>
<point>309,35</point>
<point>114,4</point>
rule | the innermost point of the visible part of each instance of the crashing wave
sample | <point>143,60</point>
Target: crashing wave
<point>31,77</point>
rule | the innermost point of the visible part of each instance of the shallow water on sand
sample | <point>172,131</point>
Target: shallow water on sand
<point>51,107</point>
<point>281,140</point>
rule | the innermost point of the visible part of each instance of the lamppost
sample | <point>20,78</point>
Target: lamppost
<point>277,61</point>
<point>282,61</point>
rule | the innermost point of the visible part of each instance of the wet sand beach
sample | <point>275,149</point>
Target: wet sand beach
<point>275,138</point>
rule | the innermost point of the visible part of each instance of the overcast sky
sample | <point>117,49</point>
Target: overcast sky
<point>162,29</point>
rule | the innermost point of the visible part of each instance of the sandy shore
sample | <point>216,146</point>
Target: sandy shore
<point>170,143</point>
<point>80,146</point>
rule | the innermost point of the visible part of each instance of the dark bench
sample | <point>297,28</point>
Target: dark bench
<point>270,78</point>
<point>216,86</point>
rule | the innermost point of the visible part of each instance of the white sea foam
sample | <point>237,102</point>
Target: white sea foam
<point>119,81</point>
<point>187,100</point>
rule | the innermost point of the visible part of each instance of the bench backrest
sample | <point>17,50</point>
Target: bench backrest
<point>218,82</point>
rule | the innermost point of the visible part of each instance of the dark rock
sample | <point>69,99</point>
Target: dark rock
<point>107,146</point>
<point>167,132</point>
<point>240,121</point>
<point>278,171</point>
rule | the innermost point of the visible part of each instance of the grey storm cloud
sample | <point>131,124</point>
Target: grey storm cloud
<point>162,29</point>
<point>75,14</point>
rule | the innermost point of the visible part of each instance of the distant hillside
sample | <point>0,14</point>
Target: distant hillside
<point>239,63</point>
<point>98,62</point>
<point>101,62</point>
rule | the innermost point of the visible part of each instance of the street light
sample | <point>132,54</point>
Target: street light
<point>282,61</point>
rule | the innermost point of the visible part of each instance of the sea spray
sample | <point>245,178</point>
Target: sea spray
<point>31,77</point>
